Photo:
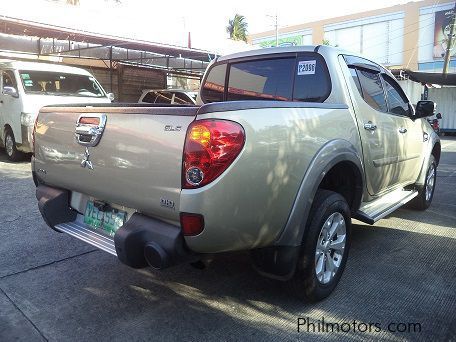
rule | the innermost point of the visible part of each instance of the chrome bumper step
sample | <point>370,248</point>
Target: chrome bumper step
<point>371,212</point>
<point>82,232</point>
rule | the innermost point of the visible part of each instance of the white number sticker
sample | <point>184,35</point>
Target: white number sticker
<point>306,67</point>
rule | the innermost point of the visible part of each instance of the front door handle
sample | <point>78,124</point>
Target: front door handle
<point>370,126</point>
<point>402,130</point>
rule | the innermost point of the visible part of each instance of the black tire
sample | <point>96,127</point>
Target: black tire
<point>12,153</point>
<point>305,285</point>
<point>422,201</point>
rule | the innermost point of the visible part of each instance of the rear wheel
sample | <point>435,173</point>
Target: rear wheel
<point>426,192</point>
<point>10,147</point>
<point>325,248</point>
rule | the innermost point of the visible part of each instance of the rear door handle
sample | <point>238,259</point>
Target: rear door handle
<point>402,130</point>
<point>370,126</point>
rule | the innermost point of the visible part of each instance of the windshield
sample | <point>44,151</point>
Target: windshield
<point>58,83</point>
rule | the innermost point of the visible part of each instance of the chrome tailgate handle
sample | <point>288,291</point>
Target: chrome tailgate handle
<point>89,129</point>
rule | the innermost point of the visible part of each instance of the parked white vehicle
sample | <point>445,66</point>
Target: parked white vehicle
<point>25,87</point>
<point>168,96</point>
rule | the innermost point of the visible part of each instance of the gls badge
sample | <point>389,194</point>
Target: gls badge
<point>86,163</point>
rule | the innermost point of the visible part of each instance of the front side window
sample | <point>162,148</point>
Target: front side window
<point>56,83</point>
<point>372,89</point>
<point>397,101</point>
<point>8,79</point>
<point>355,78</point>
<point>269,79</point>
<point>214,86</point>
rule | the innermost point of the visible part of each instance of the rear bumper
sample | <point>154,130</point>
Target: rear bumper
<point>142,240</point>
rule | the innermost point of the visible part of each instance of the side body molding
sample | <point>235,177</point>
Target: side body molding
<point>332,153</point>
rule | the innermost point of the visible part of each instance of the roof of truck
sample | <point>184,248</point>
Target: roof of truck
<point>288,49</point>
<point>21,65</point>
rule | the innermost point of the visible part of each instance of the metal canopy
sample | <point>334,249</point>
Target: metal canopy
<point>48,40</point>
<point>427,77</point>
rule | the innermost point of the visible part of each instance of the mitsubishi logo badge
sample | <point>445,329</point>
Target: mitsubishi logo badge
<point>86,163</point>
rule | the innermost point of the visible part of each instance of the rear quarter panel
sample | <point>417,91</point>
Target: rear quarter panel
<point>249,204</point>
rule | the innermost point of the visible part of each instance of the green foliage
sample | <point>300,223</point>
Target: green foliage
<point>237,28</point>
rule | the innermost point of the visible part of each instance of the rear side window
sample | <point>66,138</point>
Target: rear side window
<point>312,82</point>
<point>149,97</point>
<point>214,85</point>
<point>372,89</point>
<point>268,79</point>
<point>397,101</point>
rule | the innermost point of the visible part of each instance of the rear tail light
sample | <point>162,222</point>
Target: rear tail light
<point>210,147</point>
<point>191,224</point>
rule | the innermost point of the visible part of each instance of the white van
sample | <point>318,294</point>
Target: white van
<point>25,87</point>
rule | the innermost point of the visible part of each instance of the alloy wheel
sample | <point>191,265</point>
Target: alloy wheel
<point>330,247</point>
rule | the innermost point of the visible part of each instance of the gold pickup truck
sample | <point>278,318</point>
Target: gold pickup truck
<point>283,149</point>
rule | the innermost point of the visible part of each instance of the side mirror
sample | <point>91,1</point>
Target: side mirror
<point>424,109</point>
<point>439,116</point>
<point>110,96</point>
<point>11,91</point>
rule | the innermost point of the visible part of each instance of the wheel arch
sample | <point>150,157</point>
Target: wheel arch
<point>279,260</point>
<point>333,155</point>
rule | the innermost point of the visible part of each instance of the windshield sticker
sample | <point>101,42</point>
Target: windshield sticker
<point>28,83</point>
<point>25,76</point>
<point>306,67</point>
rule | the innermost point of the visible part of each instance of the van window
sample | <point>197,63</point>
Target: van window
<point>214,86</point>
<point>8,79</point>
<point>268,79</point>
<point>57,83</point>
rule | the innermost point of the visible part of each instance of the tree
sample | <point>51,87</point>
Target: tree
<point>237,28</point>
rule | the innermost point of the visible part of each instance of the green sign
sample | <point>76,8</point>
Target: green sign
<point>287,41</point>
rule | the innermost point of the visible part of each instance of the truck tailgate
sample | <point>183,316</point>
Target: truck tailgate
<point>136,163</point>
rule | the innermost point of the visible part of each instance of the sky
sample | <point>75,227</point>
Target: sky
<point>170,21</point>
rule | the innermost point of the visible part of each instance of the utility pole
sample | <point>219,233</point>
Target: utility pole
<point>446,64</point>
<point>276,26</point>
<point>277,30</point>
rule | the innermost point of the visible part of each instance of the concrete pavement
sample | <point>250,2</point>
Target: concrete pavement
<point>54,287</point>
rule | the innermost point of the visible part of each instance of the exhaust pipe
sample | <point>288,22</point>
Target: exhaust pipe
<point>156,256</point>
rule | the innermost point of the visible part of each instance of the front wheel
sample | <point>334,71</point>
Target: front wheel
<point>325,248</point>
<point>10,147</point>
<point>426,193</point>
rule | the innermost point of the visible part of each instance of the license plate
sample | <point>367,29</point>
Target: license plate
<point>104,218</point>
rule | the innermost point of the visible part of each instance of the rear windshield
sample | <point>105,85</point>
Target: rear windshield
<point>298,77</point>
<point>56,83</point>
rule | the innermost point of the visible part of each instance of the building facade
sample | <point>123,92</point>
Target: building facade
<point>412,36</point>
